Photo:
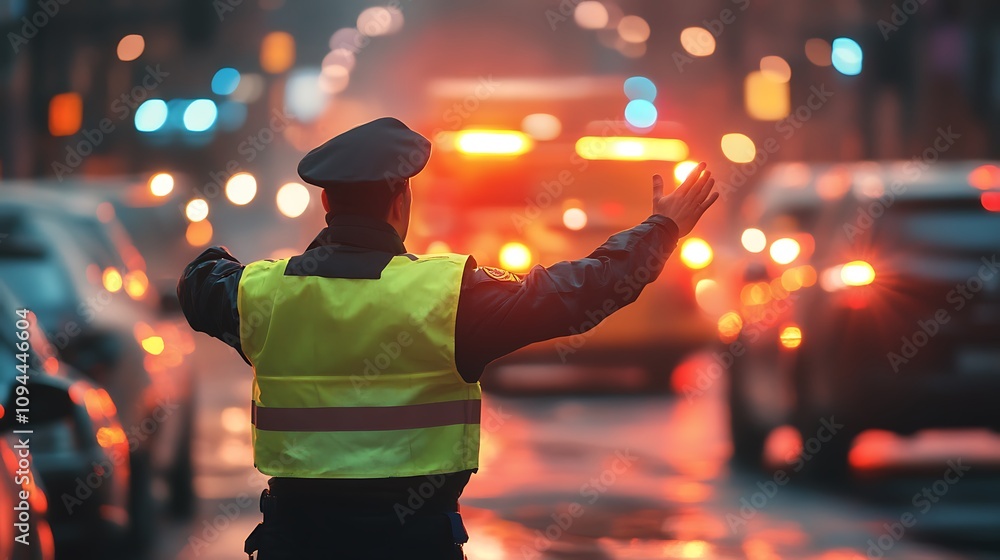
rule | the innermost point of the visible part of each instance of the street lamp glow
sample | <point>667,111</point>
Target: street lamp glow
<point>196,210</point>
<point>785,250</point>
<point>574,219</point>
<point>696,253</point>
<point>753,240</point>
<point>515,256</point>
<point>241,188</point>
<point>292,199</point>
<point>161,184</point>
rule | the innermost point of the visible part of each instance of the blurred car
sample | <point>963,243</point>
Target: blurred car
<point>876,305</point>
<point>529,178</point>
<point>71,263</point>
<point>77,445</point>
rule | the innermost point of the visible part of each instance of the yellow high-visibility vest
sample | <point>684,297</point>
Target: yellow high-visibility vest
<point>356,378</point>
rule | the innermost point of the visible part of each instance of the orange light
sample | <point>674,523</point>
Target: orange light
<point>277,52</point>
<point>65,114</point>
<point>985,177</point>
<point>696,253</point>
<point>438,247</point>
<point>791,336</point>
<point>108,436</point>
<point>991,201</point>
<point>776,68</point>
<point>683,169</point>
<point>112,279</point>
<point>199,233</point>
<point>756,293</point>
<point>785,250</point>
<point>515,256</point>
<point>765,98</point>
<point>136,284</point>
<point>625,148</point>
<point>857,273</point>
<point>161,184</point>
<point>493,142</point>
<point>698,41</point>
<point>819,52</point>
<point>730,325</point>
<point>153,345</point>
<point>130,47</point>
<point>574,219</point>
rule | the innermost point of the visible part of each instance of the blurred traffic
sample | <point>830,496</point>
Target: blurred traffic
<point>813,375</point>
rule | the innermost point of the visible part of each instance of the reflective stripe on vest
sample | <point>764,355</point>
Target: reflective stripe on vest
<point>356,378</point>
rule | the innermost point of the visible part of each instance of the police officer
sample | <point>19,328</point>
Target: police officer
<point>367,358</point>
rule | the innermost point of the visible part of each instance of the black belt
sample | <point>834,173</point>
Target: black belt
<point>278,511</point>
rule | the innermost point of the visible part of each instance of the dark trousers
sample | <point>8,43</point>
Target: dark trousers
<point>296,531</point>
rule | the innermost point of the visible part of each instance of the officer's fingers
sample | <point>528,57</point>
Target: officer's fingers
<point>697,192</point>
<point>707,204</point>
<point>657,187</point>
<point>705,190</point>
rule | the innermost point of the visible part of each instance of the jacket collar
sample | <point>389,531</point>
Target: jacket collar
<point>359,231</point>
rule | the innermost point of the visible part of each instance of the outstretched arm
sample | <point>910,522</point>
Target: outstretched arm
<point>207,290</point>
<point>501,312</point>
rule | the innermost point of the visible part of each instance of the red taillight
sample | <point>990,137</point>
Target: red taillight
<point>991,201</point>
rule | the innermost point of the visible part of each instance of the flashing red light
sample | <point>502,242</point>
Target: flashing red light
<point>991,201</point>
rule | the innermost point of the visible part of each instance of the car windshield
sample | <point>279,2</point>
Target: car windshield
<point>961,226</point>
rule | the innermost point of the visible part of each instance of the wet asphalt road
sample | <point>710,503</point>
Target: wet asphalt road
<point>634,477</point>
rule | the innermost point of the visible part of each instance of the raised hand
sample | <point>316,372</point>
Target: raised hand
<point>688,202</point>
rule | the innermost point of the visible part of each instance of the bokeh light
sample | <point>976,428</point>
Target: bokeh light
<point>241,188</point>
<point>753,240</point>
<point>375,21</point>
<point>542,126</point>
<point>65,114</point>
<point>818,51</point>
<point>161,184</point>
<point>574,219</point>
<point>277,52</point>
<point>200,115</point>
<point>791,336</point>
<point>633,29</point>
<point>515,256</point>
<point>292,199</point>
<point>640,87</point>
<point>225,81</point>
<point>683,169</point>
<point>590,15</point>
<point>766,99</point>
<point>738,148</point>
<point>785,250</point>
<point>846,56</point>
<point>199,234</point>
<point>776,68</point>
<point>985,177</point>
<point>696,253</point>
<point>640,113</point>
<point>334,78</point>
<point>857,273</point>
<point>130,47</point>
<point>196,210</point>
<point>112,279</point>
<point>151,115</point>
<point>697,41</point>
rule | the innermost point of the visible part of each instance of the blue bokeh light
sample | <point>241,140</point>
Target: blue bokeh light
<point>200,115</point>
<point>225,81</point>
<point>846,56</point>
<point>640,113</point>
<point>640,87</point>
<point>151,115</point>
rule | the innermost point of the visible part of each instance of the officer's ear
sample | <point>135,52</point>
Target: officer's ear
<point>325,201</point>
